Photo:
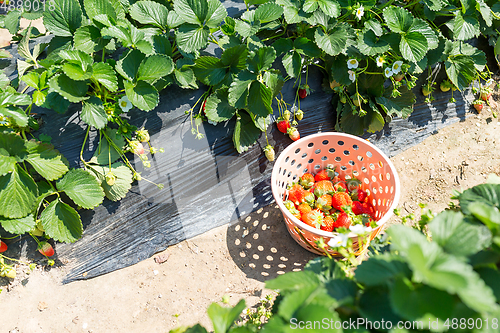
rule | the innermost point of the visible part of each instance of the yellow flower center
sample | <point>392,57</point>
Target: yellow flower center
<point>123,104</point>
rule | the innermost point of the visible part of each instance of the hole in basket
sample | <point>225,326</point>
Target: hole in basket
<point>343,168</point>
<point>387,189</point>
<point>374,202</point>
<point>356,147</point>
<point>279,170</point>
<point>367,192</point>
<point>374,179</point>
<point>340,143</point>
<point>374,190</point>
<point>338,159</point>
<point>363,169</point>
<point>325,142</point>
<point>310,144</point>
<point>310,161</point>
<point>379,202</point>
<point>317,166</point>
<point>331,150</point>
<point>317,151</point>
<point>351,162</point>
<point>356,173</point>
<point>324,158</point>
<point>366,181</point>
<point>381,164</point>
<point>372,166</point>
<point>298,166</point>
<point>369,154</point>
<point>392,189</point>
<point>360,158</point>
<point>304,155</point>
<point>347,177</point>
<point>388,176</point>
<point>289,174</point>
<point>297,150</point>
<point>287,159</point>
<point>284,172</point>
<point>294,177</point>
<point>381,189</point>
<point>346,152</point>
<point>384,202</point>
<point>381,177</point>
<point>293,162</point>
<point>305,170</point>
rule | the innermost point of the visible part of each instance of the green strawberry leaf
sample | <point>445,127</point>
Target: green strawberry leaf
<point>292,62</point>
<point>398,19</point>
<point>209,70</point>
<point>154,67</point>
<point>105,75</point>
<point>274,81</point>
<point>484,193</point>
<point>150,12</point>
<point>56,102</point>
<point>247,29</point>
<point>32,79</point>
<point>73,91</point>
<point>95,8</point>
<point>88,39</point>
<point>235,58</point>
<point>129,64</point>
<point>119,32</point>
<point>370,45</point>
<point>238,91</point>
<point>434,5</point>
<point>81,187</point>
<point>106,152</point>
<point>46,160</point>
<point>460,70</point>
<point>223,318</point>
<point>191,38</point>
<point>268,12</point>
<point>413,46</point>
<point>142,95</point>
<point>218,108</point>
<point>335,41</point>
<point>216,13</point>
<point>93,113</point>
<point>11,21</point>
<point>18,192</point>
<point>18,115</point>
<point>61,222</point>
<point>261,59</point>
<point>192,11</point>
<point>18,226</point>
<point>122,184</point>
<point>306,47</point>
<point>283,45</point>
<point>185,78</point>
<point>63,17</point>
<point>11,97</point>
<point>329,7</point>
<point>162,45</point>
<point>12,151</point>
<point>379,269</point>
<point>464,27</point>
<point>245,133</point>
<point>78,66</point>
<point>401,106</point>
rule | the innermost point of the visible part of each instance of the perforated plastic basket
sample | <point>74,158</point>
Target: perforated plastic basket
<point>353,157</point>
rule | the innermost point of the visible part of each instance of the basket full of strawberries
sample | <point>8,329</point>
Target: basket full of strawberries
<point>332,183</point>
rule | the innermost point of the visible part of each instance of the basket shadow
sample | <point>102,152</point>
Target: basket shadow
<point>262,248</point>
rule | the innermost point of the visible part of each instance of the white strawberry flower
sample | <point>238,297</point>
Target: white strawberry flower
<point>360,12</point>
<point>360,229</point>
<point>352,75</point>
<point>125,104</point>
<point>488,83</point>
<point>352,64</point>
<point>380,61</point>
<point>388,72</point>
<point>338,241</point>
<point>396,67</point>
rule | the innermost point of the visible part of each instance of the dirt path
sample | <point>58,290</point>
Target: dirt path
<point>231,260</point>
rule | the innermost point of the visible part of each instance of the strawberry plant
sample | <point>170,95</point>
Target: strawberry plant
<point>439,275</point>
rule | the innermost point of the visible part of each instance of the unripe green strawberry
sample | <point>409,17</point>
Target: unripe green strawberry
<point>10,272</point>
<point>142,135</point>
<point>136,147</point>
<point>445,86</point>
<point>269,152</point>
<point>299,114</point>
<point>286,115</point>
<point>110,178</point>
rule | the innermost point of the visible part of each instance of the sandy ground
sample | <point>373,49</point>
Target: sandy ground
<point>231,260</point>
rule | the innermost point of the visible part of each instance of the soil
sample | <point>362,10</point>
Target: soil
<point>233,260</point>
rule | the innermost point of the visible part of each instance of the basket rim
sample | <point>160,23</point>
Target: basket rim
<point>319,232</point>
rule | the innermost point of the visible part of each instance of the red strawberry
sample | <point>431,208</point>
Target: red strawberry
<point>363,208</point>
<point>341,199</point>
<point>314,218</point>
<point>46,249</point>
<point>357,207</point>
<point>3,247</point>
<point>304,91</point>
<point>204,104</point>
<point>297,194</point>
<point>343,220</point>
<point>368,209</point>
<point>485,96</point>
<point>478,107</point>
<point>328,224</point>
<point>398,77</point>
<point>304,208</point>
<point>359,195</point>
<point>324,202</point>
<point>293,133</point>
<point>326,174</point>
<point>323,187</point>
<point>340,186</point>
<point>307,180</point>
<point>283,125</point>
